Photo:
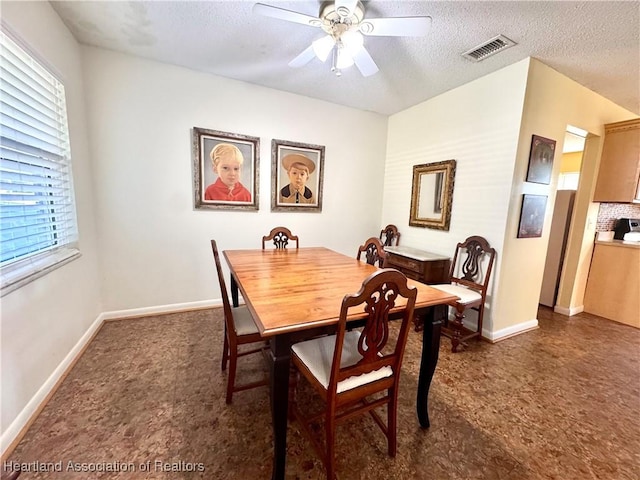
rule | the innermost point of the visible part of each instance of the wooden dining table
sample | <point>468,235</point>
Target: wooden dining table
<point>294,294</point>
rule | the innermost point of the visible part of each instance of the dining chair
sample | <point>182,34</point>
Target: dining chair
<point>351,366</point>
<point>389,236</point>
<point>239,329</point>
<point>280,237</point>
<point>373,252</point>
<point>468,282</point>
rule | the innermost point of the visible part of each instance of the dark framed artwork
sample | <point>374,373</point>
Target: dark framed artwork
<point>541,160</point>
<point>225,170</point>
<point>296,176</point>
<point>532,216</point>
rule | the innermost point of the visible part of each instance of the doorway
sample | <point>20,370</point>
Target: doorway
<point>568,180</point>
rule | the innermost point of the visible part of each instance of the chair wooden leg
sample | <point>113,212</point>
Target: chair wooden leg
<point>418,323</point>
<point>330,458</point>
<point>457,328</point>
<point>392,416</point>
<point>225,350</point>
<point>231,375</point>
<point>294,378</point>
<point>480,317</point>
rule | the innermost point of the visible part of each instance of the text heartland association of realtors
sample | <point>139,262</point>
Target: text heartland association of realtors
<point>71,466</point>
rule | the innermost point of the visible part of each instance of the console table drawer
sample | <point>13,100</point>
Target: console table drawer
<point>404,262</point>
<point>408,273</point>
<point>418,265</point>
<point>425,267</point>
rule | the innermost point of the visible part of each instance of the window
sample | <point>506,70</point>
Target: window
<point>38,226</point>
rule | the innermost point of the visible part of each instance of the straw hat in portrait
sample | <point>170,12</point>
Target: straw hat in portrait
<point>292,158</point>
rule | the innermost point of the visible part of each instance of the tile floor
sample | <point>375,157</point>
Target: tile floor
<point>147,397</point>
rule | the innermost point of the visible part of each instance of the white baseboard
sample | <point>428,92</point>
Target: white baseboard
<point>18,427</point>
<point>568,311</point>
<point>510,331</point>
<point>160,309</point>
<point>494,337</point>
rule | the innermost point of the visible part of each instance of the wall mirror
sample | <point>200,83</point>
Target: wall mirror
<point>432,194</point>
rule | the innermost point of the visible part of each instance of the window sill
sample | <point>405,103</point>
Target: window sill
<point>26,271</point>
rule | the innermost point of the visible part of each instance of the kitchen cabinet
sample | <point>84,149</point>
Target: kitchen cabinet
<point>614,282</point>
<point>619,173</point>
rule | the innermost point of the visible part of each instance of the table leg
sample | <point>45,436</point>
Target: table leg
<point>280,363</point>
<point>429,360</point>
<point>234,291</point>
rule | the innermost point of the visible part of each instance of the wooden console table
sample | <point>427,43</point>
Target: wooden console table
<point>419,265</point>
<point>422,266</point>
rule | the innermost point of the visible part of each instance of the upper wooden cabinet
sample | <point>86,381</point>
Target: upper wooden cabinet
<point>619,173</point>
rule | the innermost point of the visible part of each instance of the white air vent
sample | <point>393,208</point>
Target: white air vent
<point>488,48</point>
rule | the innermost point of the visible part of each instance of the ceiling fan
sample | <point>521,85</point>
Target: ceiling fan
<point>344,23</point>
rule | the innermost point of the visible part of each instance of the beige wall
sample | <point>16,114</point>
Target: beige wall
<point>552,102</point>
<point>43,320</point>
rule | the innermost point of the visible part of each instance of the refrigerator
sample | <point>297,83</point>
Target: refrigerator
<point>560,223</point>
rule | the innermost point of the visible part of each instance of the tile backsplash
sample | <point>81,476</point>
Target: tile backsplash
<point>610,212</point>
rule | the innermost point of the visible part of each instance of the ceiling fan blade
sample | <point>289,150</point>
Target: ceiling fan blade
<point>396,26</point>
<point>305,57</point>
<point>364,62</point>
<point>282,14</point>
<point>345,7</point>
<point>323,47</point>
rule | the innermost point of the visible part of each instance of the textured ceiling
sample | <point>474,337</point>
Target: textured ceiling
<point>594,43</point>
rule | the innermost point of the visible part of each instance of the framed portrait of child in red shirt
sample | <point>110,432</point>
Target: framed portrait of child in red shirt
<point>225,170</point>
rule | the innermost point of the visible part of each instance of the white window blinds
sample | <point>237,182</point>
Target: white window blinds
<point>37,210</point>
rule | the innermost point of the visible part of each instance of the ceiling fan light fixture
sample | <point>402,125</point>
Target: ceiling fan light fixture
<point>323,46</point>
<point>344,60</point>
<point>353,41</point>
<point>341,59</point>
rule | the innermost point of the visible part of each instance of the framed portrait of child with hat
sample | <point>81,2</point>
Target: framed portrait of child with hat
<point>296,179</point>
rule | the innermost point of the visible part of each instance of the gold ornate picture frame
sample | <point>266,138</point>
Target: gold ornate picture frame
<point>432,195</point>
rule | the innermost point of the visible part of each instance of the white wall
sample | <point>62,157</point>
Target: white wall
<point>486,125</point>
<point>154,246</point>
<point>42,321</point>
<point>476,124</point>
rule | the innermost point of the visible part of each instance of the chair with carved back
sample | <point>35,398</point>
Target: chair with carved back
<point>351,366</point>
<point>468,281</point>
<point>280,237</point>
<point>389,236</point>
<point>373,252</point>
<point>239,329</point>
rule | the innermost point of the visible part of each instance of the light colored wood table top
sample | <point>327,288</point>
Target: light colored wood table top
<point>294,289</point>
